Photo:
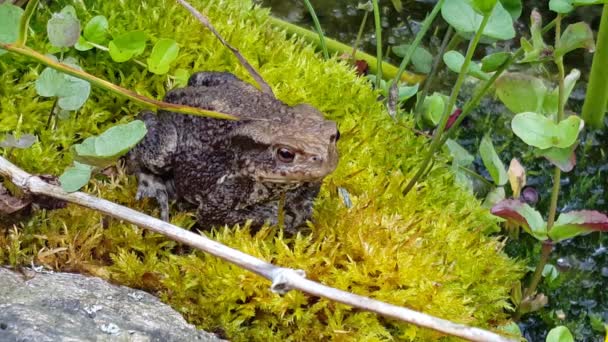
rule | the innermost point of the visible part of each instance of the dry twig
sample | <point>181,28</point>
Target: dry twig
<point>283,279</point>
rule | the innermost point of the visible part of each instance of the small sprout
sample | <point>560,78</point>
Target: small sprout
<point>492,161</point>
<point>517,177</point>
<point>10,16</point>
<point>63,29</point>
<point>163,54</point>
<point>366,6</point>
<point>127,46</point>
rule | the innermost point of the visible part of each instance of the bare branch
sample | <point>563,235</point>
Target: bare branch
<point>283,279</point>
<point>205,21</point>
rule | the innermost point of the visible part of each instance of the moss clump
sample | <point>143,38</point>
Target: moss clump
<point>427,251</point>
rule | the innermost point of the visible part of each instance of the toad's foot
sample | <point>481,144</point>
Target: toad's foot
<point>152,186</point>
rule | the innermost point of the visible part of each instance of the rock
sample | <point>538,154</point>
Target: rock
<point>73,307</point>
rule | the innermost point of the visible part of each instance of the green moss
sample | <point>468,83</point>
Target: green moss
<point>427,251</point>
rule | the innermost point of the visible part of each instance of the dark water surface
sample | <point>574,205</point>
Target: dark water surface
<point>580,293</point>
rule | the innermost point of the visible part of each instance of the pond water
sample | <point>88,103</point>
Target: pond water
<point>577,298</point>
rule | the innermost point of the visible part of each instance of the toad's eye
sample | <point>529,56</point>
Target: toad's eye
<point>285,155</point>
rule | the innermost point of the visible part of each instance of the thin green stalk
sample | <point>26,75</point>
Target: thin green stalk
<point>547,245</point>
<point>40,58</point>
<point>596,99</point>
<point>378,43</point>
<point>444,118</point>
<point>431,77</point>
<point>315,20</point>
<point>388,70</point>
<point>25,22</point>
<point>561,104</point>
<point>538,272</point>
<point>426,24</point>
<point>359,35</point>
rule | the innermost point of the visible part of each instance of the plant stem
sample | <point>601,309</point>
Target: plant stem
<point>24,23</point>
<point>410,51</point>
<point>388,70</point>
<point>359,34</point>
<point>446,112</point>
<point>315,20</point>
<point>538,272</point>
<point>561,103</point>
<point>431,77</point>
<point>378,43</point>
<point>597,89</point>
<point>33,54</point>
<point>547,244</point>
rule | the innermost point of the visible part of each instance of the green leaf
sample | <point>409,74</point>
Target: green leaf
<point>75,177</point>
<point>522,214</point>
<point>163,54</point>
<point>433,107</point>
<point>10,16</point>
<point>96,30</point>
<point>106,148</point>
<point>63,29</point>
<point>520,92</point>
<point>83,45</point>
<point>559,334</point>
<point>539,131</point>
<point>492,161</point>
<point>72,92</point>
<point>460,15</point>
<point>561,6</point>
<point>514,7</point>
<point>574,223</point>
<point>493,197</point>
<point>494,61</point>
<point>460,155</point>
<point>563,158</point>
<point>550,272</point>
<point>181,77</point>
<point>422,60</point>
<point>454,61</point>
<point>551,102</point>
<point>483,6</point>
<point>127,46</point>
<point>575,36</point>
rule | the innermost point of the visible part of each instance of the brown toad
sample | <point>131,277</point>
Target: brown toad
<point>235,170</point>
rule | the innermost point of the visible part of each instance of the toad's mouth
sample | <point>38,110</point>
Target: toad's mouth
<point>292,178</point>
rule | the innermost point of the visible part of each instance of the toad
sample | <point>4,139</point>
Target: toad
<point>233,171</point>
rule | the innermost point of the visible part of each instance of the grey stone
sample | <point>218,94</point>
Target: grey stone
<point>72,307</point>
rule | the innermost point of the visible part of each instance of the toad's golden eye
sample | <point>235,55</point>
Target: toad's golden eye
<point>285,155</point>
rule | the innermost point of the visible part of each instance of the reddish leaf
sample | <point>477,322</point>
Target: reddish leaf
<point>521,213</point>
<point>453,118</point>
<point>574,223</point>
